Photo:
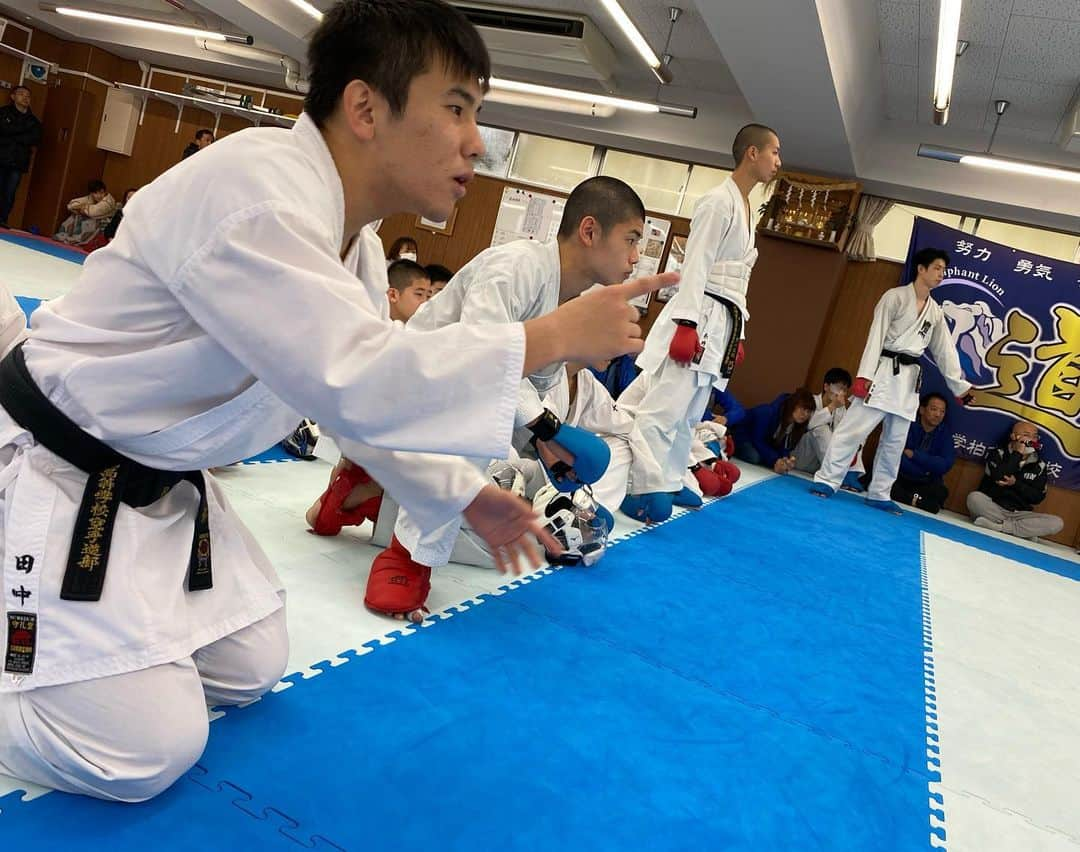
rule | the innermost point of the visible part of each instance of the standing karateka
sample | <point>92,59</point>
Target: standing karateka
<point>694,343</point>
<point>194,342</point>
<point>907,322</point>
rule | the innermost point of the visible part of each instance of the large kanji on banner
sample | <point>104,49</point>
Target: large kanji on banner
<point>1015,320</point>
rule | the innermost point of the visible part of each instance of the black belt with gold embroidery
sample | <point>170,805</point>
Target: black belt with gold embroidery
<point>731,351</point>
<point>113,479</point>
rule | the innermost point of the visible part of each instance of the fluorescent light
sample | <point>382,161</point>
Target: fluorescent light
<point>631,32</point>
<point>307,8</point>
<point>498,84</point>
<point>948,34</point>
<point>1019,167</point>
<point>1000,164</point>
<point>571,95</point>
<point>550,103</point>
<point>141,23</point>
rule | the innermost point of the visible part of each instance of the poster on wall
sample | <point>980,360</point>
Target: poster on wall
<point>650,250</point>
<point>527,215</point>
<point>1015,320</point>
<point>674,264</point>
<point>498,146</point>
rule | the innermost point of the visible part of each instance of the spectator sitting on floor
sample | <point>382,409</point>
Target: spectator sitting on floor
<point>439,275</point>
<point>409,288</point>
<point>769,433</point>
<point>832,405</point>
<point>928,456</point>
<point>89,215</point>
<point>1013,485</point>
<point>403,248</point>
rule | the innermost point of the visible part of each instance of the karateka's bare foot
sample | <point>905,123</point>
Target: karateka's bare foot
<point>416,616</point>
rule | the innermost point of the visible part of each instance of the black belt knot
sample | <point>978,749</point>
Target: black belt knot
<point>112,479</point>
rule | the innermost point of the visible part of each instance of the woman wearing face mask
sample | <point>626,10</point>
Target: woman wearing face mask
<point>403,248</point>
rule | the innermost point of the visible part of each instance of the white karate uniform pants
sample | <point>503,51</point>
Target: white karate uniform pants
<point>130,736</point>
<point>667,406</point>
<point>852,432</point>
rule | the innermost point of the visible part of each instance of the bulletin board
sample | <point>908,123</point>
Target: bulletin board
<point>527,215</point>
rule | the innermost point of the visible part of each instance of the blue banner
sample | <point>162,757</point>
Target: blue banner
<point>1015,320</point>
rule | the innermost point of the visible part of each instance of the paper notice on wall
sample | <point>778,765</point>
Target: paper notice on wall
<point>650,250</point>
<point>527,215</point>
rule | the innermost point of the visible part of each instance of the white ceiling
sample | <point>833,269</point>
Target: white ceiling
<point>846,82</point>
<point>1024,51</point>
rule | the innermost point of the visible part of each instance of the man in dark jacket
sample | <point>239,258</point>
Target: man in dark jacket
<point>202,138</point>
<point>928,456</point>
<point>20,131</point>
<point>1014,484</point>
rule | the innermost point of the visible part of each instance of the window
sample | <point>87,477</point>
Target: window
<point>498,146</point>
<point>702,179</point>
<point>551,162</point>
<point>1049,243</point>
<point>658,182</point>
<point>893,233</point>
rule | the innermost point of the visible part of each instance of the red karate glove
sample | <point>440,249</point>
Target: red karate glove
<point>685,343</point>
<point>861,387</point>
<point>711,483</point>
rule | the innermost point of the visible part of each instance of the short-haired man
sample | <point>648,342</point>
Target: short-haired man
<point>928,456</point>
<point>155,367</point>
<point>1012,486</point>
<point>202,138</point>
<point>907,321</point>
<point>20,132</point>
<point>695,341</point>
<point>409,288</point>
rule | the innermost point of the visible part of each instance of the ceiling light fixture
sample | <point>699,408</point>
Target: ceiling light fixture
<point>142,23</point>
<point>498,84</point>
<point>636,39</point>
<point>948,35</point>
<point>307,8</point>
<point>1000,164</point>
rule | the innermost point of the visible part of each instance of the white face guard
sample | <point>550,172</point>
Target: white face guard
<point>575,523</point>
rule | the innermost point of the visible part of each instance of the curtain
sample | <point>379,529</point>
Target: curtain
<point>871,211</point>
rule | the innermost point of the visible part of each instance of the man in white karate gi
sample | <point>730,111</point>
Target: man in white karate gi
<point>907,321</point>
<point>193,343</point>
<point>602,223</point>
<point>695,341</point>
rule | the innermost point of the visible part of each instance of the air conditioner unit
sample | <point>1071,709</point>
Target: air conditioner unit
<point>1070,130</point>
<point>533,40</point>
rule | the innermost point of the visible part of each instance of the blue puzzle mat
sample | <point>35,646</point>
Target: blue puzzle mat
<point>721,681</point>
<point>44,246</point>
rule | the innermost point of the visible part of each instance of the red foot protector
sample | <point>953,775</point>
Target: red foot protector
<point>397,585</point>
<point>727,470</point>
<point>332,517</point>
<point>711,484</point>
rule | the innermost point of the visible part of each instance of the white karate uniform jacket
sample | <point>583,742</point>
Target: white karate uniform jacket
<point>511,283</point>
<point>501,286</point>
<point>720,256</point>
<point>219,314</point>
<point>897,326</point>
<point>12,321</point>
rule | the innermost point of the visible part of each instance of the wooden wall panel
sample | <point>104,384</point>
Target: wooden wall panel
<point>791,291</point>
